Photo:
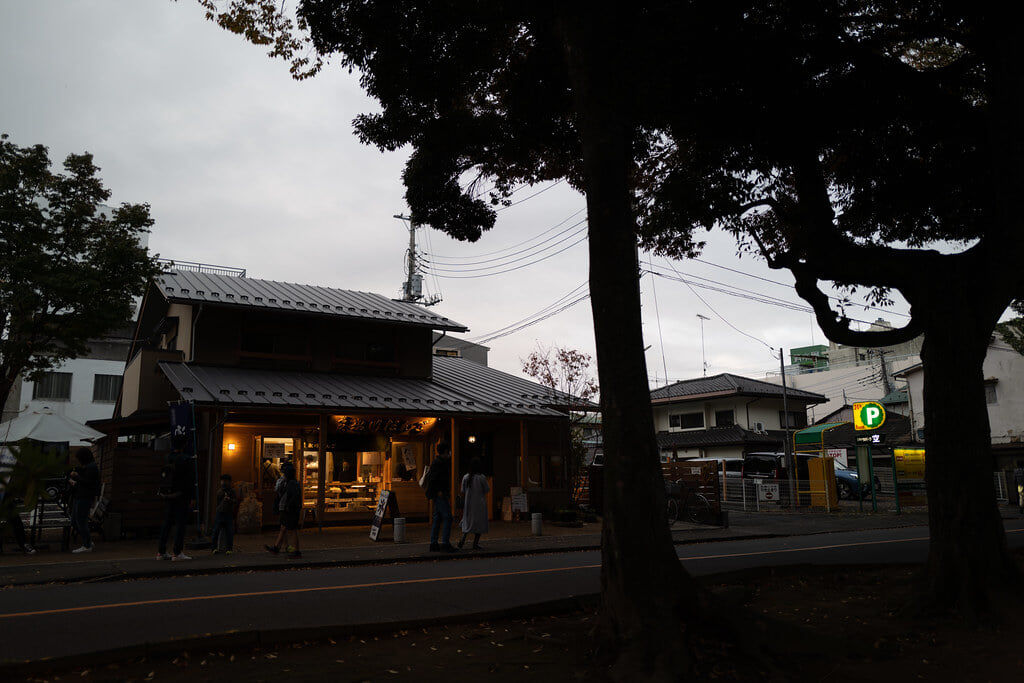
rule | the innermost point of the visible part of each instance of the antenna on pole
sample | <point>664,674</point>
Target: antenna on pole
<point>704,357</point>
<point>412,288</point>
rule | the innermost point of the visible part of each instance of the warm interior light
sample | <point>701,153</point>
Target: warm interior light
<point>231,446</point>
<point>471,439</point>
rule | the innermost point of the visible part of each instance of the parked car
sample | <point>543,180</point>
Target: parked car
<point>773,466</point>
<point>849,485</point>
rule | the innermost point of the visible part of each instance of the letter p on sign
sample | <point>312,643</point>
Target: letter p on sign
<point>868,415</point>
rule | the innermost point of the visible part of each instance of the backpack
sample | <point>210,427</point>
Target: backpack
<point>166,487</point>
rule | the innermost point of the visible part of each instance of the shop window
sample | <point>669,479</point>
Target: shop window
<point>53,386</point>
<point>686,420</point>
<point>724,418</point>
<point>105,388</point>
<point>796,420</point>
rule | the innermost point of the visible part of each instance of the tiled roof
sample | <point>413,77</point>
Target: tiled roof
<point>720,436</point>
<point>459,386</point>
<point>187,286</point>
<point>728,384</point>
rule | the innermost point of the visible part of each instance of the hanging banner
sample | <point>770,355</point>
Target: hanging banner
<point>182,425</point>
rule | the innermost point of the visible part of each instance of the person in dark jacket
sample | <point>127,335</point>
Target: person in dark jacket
<point>84,481</point>
<point>177,502</point>
<point>289,493</point>
<point>439,492</point>
<point>224,520</point>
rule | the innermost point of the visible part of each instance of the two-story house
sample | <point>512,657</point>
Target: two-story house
<point>1004,396</point>
<point>344,384</point>
<point>726,416</point>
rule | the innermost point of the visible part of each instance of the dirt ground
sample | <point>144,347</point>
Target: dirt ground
<point>846,627</point>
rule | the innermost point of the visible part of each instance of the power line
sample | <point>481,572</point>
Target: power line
<point>508,270</point>
<point>508,259</point>
<point>515,246</point>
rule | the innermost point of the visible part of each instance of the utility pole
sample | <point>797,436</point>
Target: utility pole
<point>412,288</point>
<point>790,460</point>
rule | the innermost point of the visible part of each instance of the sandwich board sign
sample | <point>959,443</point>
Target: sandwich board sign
<point>868,415</point>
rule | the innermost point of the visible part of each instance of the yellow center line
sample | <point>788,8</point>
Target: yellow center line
<point>492,575</point>
<point>290,591</point>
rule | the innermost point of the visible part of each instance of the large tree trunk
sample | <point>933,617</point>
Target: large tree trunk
<point>644,589</point>
<point>968,560</point>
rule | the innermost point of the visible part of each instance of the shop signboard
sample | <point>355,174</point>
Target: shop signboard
<point>378,515</point>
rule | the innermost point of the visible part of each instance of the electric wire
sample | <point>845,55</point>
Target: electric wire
<point>506,259</point>
<point>509,270</point>
<point>558,306</point>
<point>440,258</point>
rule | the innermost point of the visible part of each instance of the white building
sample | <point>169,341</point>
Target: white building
<point>1004,393</point>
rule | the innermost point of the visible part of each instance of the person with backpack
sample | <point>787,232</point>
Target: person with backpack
<point>84,482</point>
<point>177,480</point>
<point>439,492</point>
<point>289,506</point>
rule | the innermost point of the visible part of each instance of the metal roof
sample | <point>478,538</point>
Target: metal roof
<point>456,393</point>
<point>500,389</point>
<point>227,290</point>
<point>728,384</point>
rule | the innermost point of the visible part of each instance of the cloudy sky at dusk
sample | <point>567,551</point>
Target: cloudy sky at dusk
<point>245,167</point>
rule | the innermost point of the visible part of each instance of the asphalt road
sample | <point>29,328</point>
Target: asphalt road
<point>38,622</point>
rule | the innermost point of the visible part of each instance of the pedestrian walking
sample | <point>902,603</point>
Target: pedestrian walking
<point>84,482</point>
<point>289,502</point>
<point>176,491</point>
<point>439,492</point>
<point>13,515</point>
<point>474,511</point>
<point>1018,478</point>
<point>224,519</point>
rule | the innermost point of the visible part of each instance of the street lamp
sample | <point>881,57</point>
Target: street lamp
<point>704,357</point>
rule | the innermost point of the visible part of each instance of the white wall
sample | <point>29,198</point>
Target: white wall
<point>1006,415</point>
<point>80,407</point>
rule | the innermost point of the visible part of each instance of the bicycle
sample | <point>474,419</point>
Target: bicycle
<point>696,508</point>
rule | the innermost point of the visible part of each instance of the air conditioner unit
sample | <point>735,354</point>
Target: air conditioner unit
<point>759,427</point>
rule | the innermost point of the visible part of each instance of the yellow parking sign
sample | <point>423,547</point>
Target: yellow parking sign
<point>868,415</point>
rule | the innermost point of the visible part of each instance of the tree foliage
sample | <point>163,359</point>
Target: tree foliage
<point>71,265</point>
<point>853,142</point>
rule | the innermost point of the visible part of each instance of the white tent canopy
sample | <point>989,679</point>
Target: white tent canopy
<point>45,425</point>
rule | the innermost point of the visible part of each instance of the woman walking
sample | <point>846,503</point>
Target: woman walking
<point>474,512</point>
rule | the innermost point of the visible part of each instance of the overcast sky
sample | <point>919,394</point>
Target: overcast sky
<point>245,167</point>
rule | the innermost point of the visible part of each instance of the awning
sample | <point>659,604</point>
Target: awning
<point>812,438</point>
<point>323,392</point>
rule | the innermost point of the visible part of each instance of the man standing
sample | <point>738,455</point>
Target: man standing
<point>177,501</point>
<point>439,492</point>
<point>85,487</point>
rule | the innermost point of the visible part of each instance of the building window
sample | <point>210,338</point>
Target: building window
<point>797,420</point>
<point>990,392</point>
<point>724,418</point>
<point>686,420</point>
<point>105,388</point>
<point>448,353</point>
<point>53,386</point>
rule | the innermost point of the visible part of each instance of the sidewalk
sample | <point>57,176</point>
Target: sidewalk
<point>351,545</point>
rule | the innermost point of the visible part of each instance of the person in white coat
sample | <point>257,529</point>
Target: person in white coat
<point>474,510</point>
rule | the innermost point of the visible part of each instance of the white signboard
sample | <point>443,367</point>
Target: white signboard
<point>768,491</point>
<point>837,454</point>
